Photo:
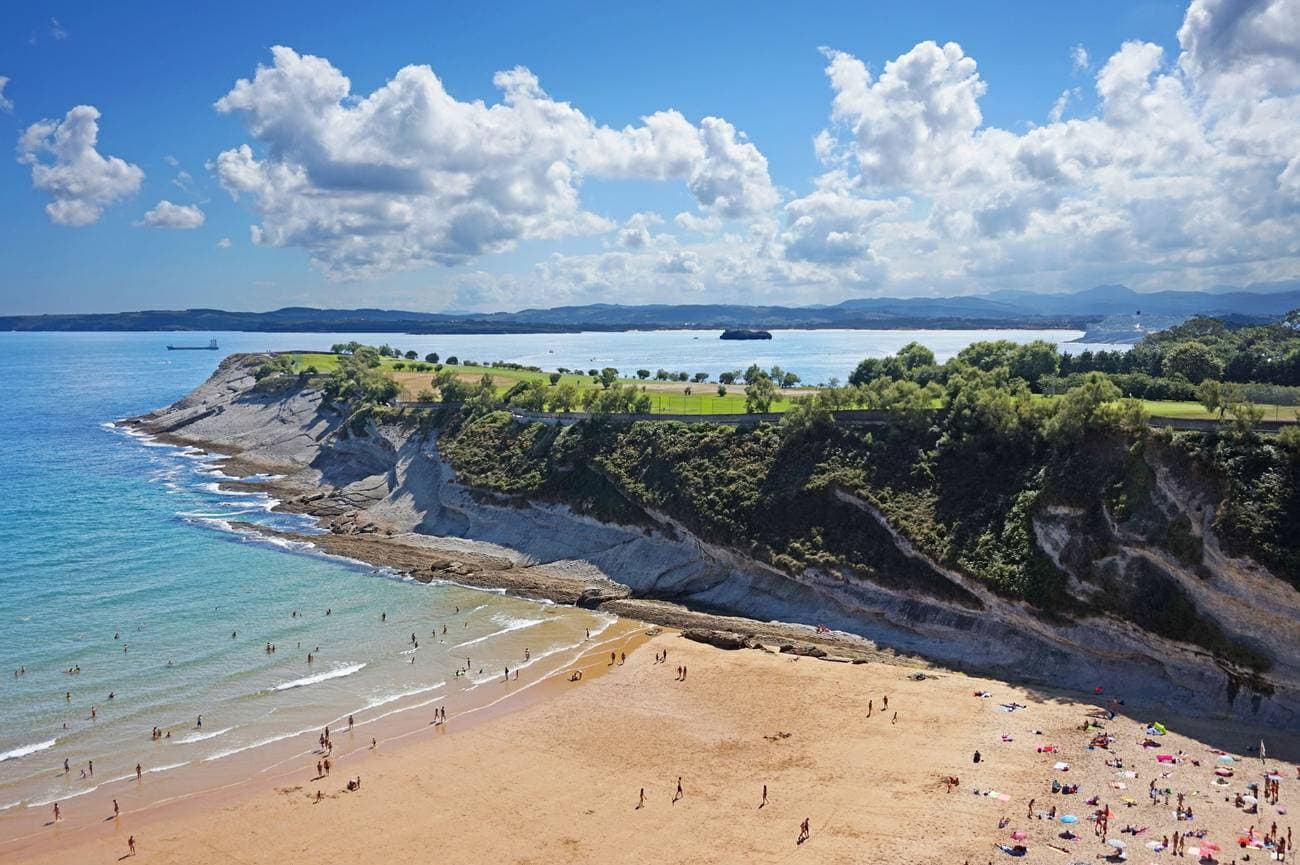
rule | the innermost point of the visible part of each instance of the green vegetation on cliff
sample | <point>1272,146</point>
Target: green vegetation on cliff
<point>962,491</point>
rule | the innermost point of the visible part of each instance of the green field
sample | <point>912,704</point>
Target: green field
<point>1194,410</point>
<point>666,397</point>
<point>670,398</point>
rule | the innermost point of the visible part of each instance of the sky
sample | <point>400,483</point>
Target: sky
<point>457,157</point>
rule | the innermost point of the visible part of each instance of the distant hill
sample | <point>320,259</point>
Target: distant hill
<point>1077,310</point>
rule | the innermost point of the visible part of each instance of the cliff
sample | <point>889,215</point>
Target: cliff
<point>1110,568</point>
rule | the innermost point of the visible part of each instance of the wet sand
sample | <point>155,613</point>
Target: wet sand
<point>558,779</point>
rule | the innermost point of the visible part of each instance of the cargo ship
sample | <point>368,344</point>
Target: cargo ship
<point>211,346</point>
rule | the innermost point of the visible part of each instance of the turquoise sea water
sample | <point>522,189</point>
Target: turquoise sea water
<point>118,558</point>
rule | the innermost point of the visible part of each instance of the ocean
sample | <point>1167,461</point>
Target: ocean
<point>120,562</point>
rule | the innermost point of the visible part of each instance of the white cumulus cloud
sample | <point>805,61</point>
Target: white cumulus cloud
<point>67,167</point>
<point>409,176</point>
<point>6,104</point>
<point>168,215</point>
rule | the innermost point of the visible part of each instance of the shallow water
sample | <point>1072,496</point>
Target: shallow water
<point>120,558</point>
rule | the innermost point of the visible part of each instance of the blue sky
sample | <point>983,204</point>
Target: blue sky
<point>767,215</point>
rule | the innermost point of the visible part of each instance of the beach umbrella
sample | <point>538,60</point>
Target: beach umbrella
<point>1249,799</point>
<point>1069,818</point>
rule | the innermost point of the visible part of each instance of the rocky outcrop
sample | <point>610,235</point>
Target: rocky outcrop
<point>387,484</point>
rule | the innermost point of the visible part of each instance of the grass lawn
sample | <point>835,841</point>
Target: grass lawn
<point>666,397</point>
<point>670,397</point>
<point>1174,408</point>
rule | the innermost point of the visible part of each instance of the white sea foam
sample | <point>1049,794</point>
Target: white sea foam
<point>216,489</point>
<point>6,807</point>
<point>382,701</point>
<point>62,797</point>
<point>24,750</point>
<point>258,744</point>
<point>166,768</point>
<point>201,737</point>
<point>336,673</point>
<point>509,625</point>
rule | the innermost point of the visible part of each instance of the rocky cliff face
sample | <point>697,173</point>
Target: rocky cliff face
<point>393,475</point>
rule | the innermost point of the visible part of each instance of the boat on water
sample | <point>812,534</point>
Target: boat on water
<point>211,346</point>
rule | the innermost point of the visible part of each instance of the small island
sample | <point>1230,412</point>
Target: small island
<point>742,333</point>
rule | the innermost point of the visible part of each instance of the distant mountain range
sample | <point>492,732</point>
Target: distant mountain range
<point>1076,310</point>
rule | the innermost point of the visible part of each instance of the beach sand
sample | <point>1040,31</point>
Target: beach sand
<point>558,779</point>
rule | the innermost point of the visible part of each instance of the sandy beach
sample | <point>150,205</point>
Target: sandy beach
<point>559,779</point>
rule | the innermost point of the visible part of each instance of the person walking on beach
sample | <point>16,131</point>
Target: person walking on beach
<point>90,764</point>
<point>871,707</point>
<point>130,845</point>
<point>199,722</point>
<point>641,804</point>
<point>804,831</point>
<point>612,658</point>
<point>327,766</point>
<point>764,802</point>
<point>349,722</point>
<point>58,815</point>
<point>683,672</point>
<point>679,793</point>
<point>138,772</point>
<point>320,769</point>
<point>116,810</point>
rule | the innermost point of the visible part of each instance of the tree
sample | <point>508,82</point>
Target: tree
<point>450,387</point>
<point>727,378</point>
<point>662,374</point>
<point>700,377</point>
<point>410,355</point>
<point>1080,408</point>
<point>789,380</point>
<point>914,356</point>
<point>643,374</point>
<point>988,355</point>
<point>1218,397</point>
<point>594,373</point>
<point>1034,360</point>
<point>753,373</point>
<point>1193,361</point>
<point>867,371</point>
<point>431,357</point>
<point>759,394</point>
<point>687,391</point>
<point>530,397</point>
<point>608,376</point>
<point>555,378</point>
<point>386,350</point>
<point>722,390</point>
<point>683,376</point>
<point>564,397</point>
<point>453,360</point>
<point>355,380</point>
<point>399,366</point>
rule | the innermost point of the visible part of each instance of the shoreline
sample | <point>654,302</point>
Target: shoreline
<point>557,779</point>
<point>260,768</point>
